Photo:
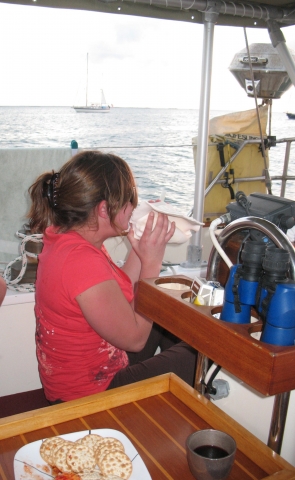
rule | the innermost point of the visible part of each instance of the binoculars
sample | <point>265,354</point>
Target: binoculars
<point>261,282</point>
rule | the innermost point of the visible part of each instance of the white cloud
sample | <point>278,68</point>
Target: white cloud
<point>139,62</point>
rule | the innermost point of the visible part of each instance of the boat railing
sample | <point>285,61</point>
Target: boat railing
<point>218,177</point>
<point>284,177</point>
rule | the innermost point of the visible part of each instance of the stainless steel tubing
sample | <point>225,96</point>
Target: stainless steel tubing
<point>203,126</point>
<point>279,43</point>
<point>194,249</point>
<point>278,420</point>
<point>281,400</point>
<point>285,170</point>
<point>269,229</point>
<point>201,371</point>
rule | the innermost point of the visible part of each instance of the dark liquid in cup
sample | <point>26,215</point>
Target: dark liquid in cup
<point>211,451</point>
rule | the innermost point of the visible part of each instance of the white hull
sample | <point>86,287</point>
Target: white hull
<point>92,109</point>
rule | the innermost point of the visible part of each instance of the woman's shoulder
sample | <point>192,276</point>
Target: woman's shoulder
<point>68,241</point>
<point>71,250</point>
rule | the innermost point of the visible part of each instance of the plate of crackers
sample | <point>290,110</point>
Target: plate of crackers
<point>102,454</point>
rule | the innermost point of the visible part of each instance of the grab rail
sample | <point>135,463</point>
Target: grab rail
<point>284,177</point>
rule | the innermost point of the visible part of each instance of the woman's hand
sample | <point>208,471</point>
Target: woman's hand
<point>150,248</point>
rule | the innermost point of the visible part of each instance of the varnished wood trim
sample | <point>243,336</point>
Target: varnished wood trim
<point>35,419</point>
<point>270,369</point>
<point>282,475</point>
<point>140,445</point>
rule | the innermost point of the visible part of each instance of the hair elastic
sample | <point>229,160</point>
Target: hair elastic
<point>50,190</point>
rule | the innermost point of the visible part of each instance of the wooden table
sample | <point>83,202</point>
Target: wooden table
<point>157,415</point>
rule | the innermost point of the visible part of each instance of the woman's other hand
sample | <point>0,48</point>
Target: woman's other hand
<point>150,248</point>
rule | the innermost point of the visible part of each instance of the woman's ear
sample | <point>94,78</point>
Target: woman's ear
<point>102,210</point>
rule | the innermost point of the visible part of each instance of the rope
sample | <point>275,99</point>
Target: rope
<point>14,284</point>
<point>142,146</point>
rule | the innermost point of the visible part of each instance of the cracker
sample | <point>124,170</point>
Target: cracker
<point>60,457</point>
<point>110,442</point>
<point>112,477</point>
<point>91,440</point>
<point>83,476</point>
<point>81,459</point>
<point>46,449</point>
<point>57,446</point>
<point>96,475</point>
<point>116,463</point>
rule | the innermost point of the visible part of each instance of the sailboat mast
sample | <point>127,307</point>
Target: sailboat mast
<point>87,82</point>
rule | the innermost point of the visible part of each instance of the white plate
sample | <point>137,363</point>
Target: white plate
<point>28,463</point>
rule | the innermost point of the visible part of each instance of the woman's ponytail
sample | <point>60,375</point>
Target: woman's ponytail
<point>40,213</point>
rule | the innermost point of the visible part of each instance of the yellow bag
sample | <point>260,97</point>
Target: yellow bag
<point>226,134</point>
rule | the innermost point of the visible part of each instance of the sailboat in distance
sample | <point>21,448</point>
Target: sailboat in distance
<point>101,107</point>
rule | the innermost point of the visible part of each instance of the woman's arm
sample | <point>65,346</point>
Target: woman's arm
<point>132,267</point>
<point>3,289</point>
<point>109,313</point>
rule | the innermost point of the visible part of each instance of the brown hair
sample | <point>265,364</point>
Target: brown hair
<point>67,199</point>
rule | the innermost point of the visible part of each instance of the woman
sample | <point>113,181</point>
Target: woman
<point>85,315</point>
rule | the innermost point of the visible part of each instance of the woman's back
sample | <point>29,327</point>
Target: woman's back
<point>69,367</point>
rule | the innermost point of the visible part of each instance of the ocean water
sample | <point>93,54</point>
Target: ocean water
<point>157,143</point>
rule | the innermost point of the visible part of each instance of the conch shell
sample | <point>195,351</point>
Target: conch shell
<point>184,224</point>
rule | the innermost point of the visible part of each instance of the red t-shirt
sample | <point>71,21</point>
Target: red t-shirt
<point>74,361</point>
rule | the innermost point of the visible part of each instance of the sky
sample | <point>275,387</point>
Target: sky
<point>138,62</point>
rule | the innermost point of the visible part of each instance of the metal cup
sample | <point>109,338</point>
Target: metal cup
<point>210,454</point>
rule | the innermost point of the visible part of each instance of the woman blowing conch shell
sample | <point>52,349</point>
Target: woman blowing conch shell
<point>88,336</point>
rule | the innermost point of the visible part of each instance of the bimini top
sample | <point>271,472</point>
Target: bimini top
<point>241,13</point>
